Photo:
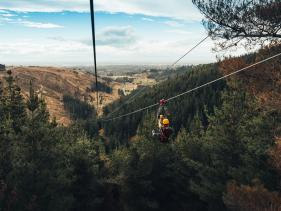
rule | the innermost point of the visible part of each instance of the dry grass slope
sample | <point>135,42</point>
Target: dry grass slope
<point>52,83</point>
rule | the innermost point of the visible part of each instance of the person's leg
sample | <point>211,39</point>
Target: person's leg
<point>160,124</point>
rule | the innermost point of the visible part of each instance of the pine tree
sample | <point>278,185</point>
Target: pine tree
<point>37,107</point>
<point>234,147</point>
<point>14,107</point>
<point>147,125</point>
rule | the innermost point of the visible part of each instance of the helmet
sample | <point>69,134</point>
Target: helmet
<point>166,122</point>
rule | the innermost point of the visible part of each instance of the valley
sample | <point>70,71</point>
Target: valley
<point>53,83</point>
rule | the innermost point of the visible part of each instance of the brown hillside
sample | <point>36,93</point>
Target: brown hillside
<point>263,81</point>
<point>52,83</point>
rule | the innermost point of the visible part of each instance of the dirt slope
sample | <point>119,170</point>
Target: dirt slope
<point>52,83</point>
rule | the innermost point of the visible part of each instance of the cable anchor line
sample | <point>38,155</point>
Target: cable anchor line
<point>127,101</point>
<point>92,5</point>
<point>194,89</point>
<point>190,51</point>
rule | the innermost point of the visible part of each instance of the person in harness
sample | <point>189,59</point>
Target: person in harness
<point>164,132</point>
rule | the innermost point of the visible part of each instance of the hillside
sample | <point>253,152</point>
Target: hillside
<point>53,83</point>
<point>182,110</point>
<point>262,82</point>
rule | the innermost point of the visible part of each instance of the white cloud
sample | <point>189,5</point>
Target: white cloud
<point>27,51</point>
<point>117,36</point>
<point>31,24</point>
<point>8,15</point>
<point>28,46</point>
<point>179,9</point>
<point>39,25</point>
<point>173,23</point>
<point>5,19</point>
<point>148,19</point>
<point>45,5</point>
<point>179,31</point>
<point>145,51</point>
<point>57,38</point>
<point>58,51</point>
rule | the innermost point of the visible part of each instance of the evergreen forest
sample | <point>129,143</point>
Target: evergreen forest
<point>224,154</point>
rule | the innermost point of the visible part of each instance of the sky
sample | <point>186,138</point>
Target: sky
<point>58,32</point>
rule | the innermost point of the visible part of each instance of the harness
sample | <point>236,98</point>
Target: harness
<point>163,137</point>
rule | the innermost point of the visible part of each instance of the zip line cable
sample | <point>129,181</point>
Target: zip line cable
<point>177,61</point>
<point>138,93</point>
<point>127,102</point>
<point>94,47</point>
<point>190,51</point>
<point>196,88</point>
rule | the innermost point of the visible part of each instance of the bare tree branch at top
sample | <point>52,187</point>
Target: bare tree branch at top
<point>246,22</point>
